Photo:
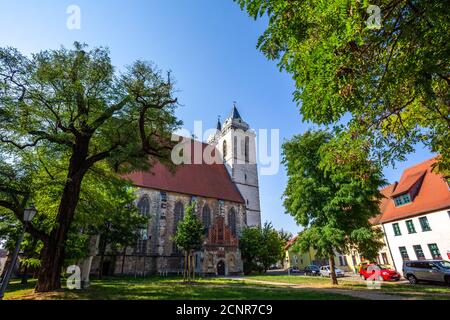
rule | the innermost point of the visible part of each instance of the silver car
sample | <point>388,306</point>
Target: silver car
<point>325,271</point>
<point>427,270</point>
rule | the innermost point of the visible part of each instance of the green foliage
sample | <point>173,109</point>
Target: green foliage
<point>190,231</point>
<point>260,247</point>
<point>389,86</point>
<point>67,118</point>
<point>119,224</point>
<point>333,194</point>
<point>285,235</point>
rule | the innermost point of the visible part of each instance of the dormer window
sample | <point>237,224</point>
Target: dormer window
<point>408,188</point>
<point>402,199</point>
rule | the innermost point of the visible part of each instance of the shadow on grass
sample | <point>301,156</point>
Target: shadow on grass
<point>172,288</point>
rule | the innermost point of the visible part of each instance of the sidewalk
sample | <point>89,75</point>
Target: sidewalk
<point>361,294</point>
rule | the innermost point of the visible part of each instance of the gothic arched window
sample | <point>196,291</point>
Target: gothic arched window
<point>144,206</point>
<point>232,221</point>
<point>224,149</point>
<point>178,215</point>
<point>206,218</point>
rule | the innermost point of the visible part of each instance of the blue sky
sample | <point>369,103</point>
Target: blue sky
<point>210,46</point>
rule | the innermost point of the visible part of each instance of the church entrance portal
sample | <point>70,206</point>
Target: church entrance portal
<point>221,268</point>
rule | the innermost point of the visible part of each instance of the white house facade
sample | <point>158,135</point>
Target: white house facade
<point>416,220</point>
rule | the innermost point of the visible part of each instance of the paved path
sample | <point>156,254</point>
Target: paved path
<point>361,294</point>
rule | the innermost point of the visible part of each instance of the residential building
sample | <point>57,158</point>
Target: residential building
<point>416,220</point>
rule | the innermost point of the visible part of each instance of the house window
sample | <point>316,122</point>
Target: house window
<point>402,199</point>
<point>341,261</point>
<point>435,253</point>
<point>404,253</point>
<point>385,258</point>
<point>424,224</point>
<point>354,260</point>
<point>410,226</point>
<point>396,228</point>
<point>419,252</point>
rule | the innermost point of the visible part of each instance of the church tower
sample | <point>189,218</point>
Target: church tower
<point>237,144</point>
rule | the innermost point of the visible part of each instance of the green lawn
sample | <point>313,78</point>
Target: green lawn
<point>387,287</point>
<point>171,288</point>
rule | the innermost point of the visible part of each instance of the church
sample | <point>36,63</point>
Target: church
<point>226,196</point>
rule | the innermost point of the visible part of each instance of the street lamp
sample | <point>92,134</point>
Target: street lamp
<point>28,215</point>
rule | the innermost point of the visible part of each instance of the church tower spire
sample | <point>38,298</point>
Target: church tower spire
<point>237,144</point>
<point>219,125</point>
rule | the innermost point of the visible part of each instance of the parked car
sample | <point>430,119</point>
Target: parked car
<point>378,272</point>
<point>326,272</point>
<point>312,270</point>
<point>427,270</point>
<point>294,270</point>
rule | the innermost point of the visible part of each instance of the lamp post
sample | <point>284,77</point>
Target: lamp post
<point>28,215</point>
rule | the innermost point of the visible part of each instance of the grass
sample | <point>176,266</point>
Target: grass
<point>170,288</point>
<point>406,289</point>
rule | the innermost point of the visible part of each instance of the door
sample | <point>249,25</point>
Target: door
<point>424,271</point>
<point>106,268</point>
<point>435,273</point>
<point>221,268</point>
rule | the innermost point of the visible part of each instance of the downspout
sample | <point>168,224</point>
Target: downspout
<point>389,246</point>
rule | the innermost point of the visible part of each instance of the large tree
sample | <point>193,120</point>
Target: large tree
<point>189,237</point>
<point>261,247</point>
<point>332,195</point>
<point>74,107</point>
<point>391,79</point>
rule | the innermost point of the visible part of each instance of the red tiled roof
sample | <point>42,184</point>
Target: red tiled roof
<point>206,180</point>
<point>290,243</point>
<point>407,182</point>
<point>433,195</point>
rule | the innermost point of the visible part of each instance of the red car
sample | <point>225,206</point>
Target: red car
<point>378,272</point>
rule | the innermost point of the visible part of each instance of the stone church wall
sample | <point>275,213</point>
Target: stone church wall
<point>159,254</point>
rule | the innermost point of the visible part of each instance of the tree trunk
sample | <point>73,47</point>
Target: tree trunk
<point>7,264</point>
<point>52,262</point>
<point>24,279</point>
<point>332,270</point>
<point>185,266</point>
<point>102,259</point>
<point>193,267</point>
<point>123,259</point>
